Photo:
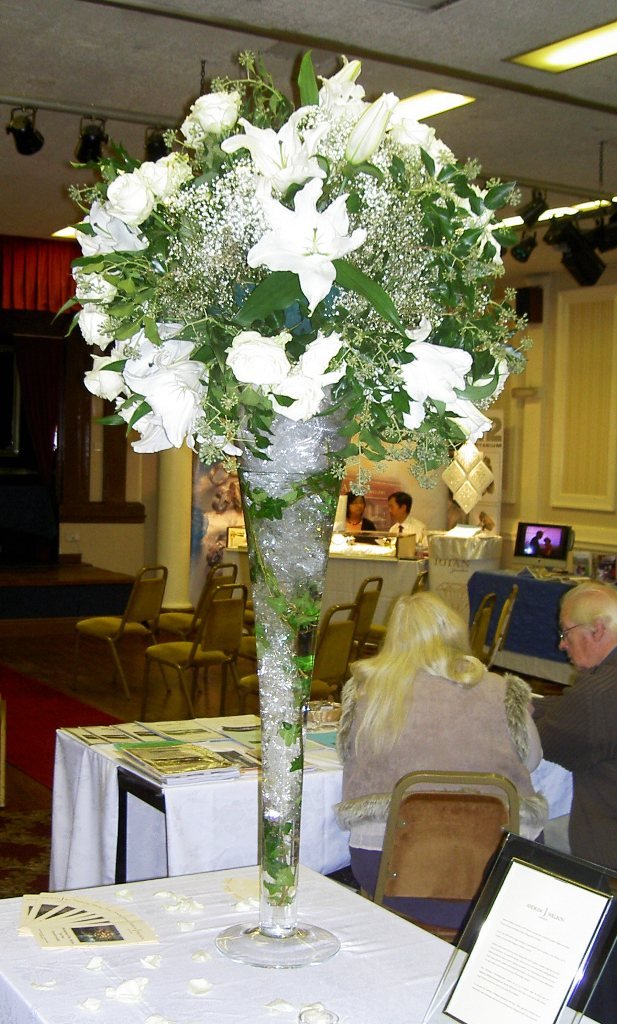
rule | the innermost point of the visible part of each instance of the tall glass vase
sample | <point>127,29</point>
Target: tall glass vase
<point>289,503</point>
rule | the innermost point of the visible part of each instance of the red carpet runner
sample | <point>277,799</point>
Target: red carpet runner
<point>34,712</point>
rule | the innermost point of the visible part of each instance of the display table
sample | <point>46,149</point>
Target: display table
<point>346,571</point>
<point>206,826</point>
<point>386,970</point>
<point>531,645</point>
<point>452,560</point>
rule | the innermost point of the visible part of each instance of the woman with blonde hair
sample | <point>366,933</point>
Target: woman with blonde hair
<point>424,702</point>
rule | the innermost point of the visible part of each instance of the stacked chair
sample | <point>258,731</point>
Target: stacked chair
<point>140,618</point>
<point>185,625</point>
<point>217,643</point>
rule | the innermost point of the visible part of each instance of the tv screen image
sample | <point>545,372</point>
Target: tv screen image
<point>543,543</point>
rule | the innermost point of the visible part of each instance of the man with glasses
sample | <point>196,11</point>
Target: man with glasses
<point>579,729</point>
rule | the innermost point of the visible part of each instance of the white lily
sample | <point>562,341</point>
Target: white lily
<point>340,93</point>
<point>403,128</point>
<point>152,436</point>
<point>368,134</point>
<point>306,382</point>
<point>171,383</point>
<point>305,240</point>
<point>110,234</point>
<point>484,221</point>
<point>285,157</point>
<point>435,372</point>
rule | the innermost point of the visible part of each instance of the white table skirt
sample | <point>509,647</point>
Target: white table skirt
<point>386,971</point>
<point>210,825</point>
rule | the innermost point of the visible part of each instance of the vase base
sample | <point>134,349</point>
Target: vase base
<point>307,945</point>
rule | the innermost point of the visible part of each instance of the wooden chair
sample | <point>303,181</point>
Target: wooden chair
<point>502,627</point>
<point>377,633</point>
<point>140,618</point>
<point>186,624</point>
<point>332,655</point>
<point>478,631</point>
<point>217,643</point>
<point>443,831</point>
<point>2,751</point>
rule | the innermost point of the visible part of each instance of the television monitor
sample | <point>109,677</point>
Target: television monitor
<point>543,546</point>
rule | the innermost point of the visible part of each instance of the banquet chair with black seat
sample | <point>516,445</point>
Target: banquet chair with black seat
<point>333,649</point>
<point>501,629</point>
<point>377,633</point>
<point>186,624</point>
<point>478,631</point>
<point>442,833</point>
<point>217,644</point>
<point>140,618</point>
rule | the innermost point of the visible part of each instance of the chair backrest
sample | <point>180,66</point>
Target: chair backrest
<point>502,627</point>
<point>442,832</point>
<point>224,572</point>
<point>365,603</point>
<point>335,644</point>
<point>478,630</point>
<point>421,582</point>
<point>146,597</point>
<point>223,619</point>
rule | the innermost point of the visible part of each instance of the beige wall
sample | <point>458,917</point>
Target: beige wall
<point>560,454</point>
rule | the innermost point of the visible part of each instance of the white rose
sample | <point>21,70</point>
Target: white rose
<point>103,382</point>
<point>213,114</point>
<point>93,288</point>
<point>95,326</point>
<point>130,199</point>
<point>258,360</point>
<point>308,395</point>
<point>472,422</point>
<point>165,176</point>
<point>110,234</point>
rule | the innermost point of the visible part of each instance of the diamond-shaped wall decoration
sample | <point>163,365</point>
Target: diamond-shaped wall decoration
<point>467,476</point>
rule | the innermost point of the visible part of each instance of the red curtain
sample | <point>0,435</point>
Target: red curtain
<point>36,273</point>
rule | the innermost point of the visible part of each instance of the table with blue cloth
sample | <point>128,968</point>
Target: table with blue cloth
<point>531,646</point>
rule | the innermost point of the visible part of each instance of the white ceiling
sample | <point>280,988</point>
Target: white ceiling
<point>144,57</point>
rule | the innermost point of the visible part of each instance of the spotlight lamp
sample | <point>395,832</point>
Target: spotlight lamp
<point>604,236</point>
<point>28,139</point>
<point>92,138</point>
<point>533,210</point>
<point>524,248</point>
<point>578,256</point>
<point>155,146</point>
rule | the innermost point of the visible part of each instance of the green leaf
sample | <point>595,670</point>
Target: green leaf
<point>307,82</point>
<point>355,280</point>
<point>498,195</point>
<point>277,291</point>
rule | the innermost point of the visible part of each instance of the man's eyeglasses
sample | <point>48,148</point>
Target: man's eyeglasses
<point>563,633</point>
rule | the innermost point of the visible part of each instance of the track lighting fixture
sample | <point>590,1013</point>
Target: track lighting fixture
<point>533,210</point>
<point>578,256</point>
<point>604,236</point>
<point>92,137</point>
<point>524,248</point>
<point>155,146</point>
<point>28,139</point>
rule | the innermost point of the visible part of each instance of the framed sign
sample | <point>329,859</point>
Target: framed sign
<point>541,938</point>
<point>236,537</point>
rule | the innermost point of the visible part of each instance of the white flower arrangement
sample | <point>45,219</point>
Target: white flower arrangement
<point>292,262</point>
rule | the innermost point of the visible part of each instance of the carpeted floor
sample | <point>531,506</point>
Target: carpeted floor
<point>34,713</point>
<point>25,838</point>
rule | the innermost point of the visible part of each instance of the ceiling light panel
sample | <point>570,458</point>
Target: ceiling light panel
<point>434,101</point>
<point>574,51</point>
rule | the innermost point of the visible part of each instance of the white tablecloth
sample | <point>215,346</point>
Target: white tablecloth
<point>210,825</point>
<point>386,971</point>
